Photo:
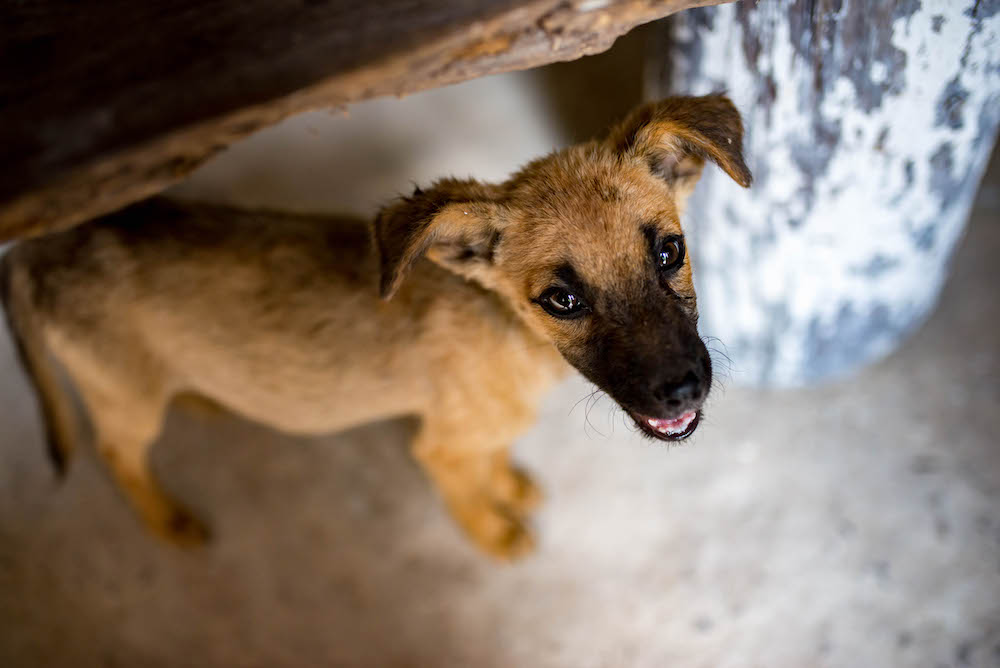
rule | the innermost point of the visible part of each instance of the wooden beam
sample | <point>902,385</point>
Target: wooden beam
<point>106,102</point>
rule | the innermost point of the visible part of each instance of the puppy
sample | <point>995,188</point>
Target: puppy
<point>464,306</point>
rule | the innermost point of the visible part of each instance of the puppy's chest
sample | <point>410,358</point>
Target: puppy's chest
<point>507,367</point>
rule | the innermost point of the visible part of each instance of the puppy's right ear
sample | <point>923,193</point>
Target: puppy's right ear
<point>455,223</point>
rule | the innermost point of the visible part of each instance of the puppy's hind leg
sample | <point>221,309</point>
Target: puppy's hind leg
<point>126,423</point>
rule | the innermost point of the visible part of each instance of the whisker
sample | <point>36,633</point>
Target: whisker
<point>582,399</point>
<point>591,399</point>
<point>610,417</point>
<point>721,356</point>
<point>587,421</point>
<point>722,363</point>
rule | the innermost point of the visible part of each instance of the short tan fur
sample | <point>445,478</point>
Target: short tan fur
<point>448,309</point>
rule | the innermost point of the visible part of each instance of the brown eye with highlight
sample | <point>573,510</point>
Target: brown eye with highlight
<point>671,254</point>
<point>561,303</point>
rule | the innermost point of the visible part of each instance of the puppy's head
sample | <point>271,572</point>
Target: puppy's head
<point>587,246</point>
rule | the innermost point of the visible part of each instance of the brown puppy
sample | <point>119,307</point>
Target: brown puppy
<point>578,258</point>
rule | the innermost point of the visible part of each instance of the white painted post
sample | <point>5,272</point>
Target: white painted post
<point>869,127</point>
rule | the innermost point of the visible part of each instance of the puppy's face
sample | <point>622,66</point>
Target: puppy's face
<point>587,246</point>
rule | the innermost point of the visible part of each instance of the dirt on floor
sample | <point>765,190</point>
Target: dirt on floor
<point>854,524</point>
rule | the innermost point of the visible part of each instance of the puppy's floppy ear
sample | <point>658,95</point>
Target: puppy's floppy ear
<point>455,223</point>
<point>676,135</point>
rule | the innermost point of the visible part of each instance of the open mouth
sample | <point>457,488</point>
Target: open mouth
<point>675,429</point>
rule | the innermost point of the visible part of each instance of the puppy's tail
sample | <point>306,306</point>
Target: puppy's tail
<point>56,406</point>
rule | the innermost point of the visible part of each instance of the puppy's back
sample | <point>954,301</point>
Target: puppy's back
<point>165,250</point>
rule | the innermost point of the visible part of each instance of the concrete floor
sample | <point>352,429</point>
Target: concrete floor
<point>856,524</point>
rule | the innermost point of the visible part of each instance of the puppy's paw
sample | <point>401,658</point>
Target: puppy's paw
<point>182,529</point>
<point>514,488</point>
<point>489,498</point>
<point>494,528</point>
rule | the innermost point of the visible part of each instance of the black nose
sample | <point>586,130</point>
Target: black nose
<point>677,393</point>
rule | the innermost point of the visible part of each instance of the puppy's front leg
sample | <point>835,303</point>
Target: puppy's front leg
<point>487,496</point>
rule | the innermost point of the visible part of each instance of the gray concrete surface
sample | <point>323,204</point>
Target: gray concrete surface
<point>855,524</point>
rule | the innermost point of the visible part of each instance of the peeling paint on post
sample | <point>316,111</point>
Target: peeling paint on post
<point>869,127</point>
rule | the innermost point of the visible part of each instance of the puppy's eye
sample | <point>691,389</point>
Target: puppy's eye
<point>561,303</point>
<point>671,254</point>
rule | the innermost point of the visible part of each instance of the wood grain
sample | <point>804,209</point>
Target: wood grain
<point>106,103</point>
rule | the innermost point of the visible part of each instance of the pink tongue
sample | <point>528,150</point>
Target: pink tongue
<point>672,426</point>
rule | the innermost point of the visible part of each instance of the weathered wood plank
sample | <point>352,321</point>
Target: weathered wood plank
<point>105,103</point>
